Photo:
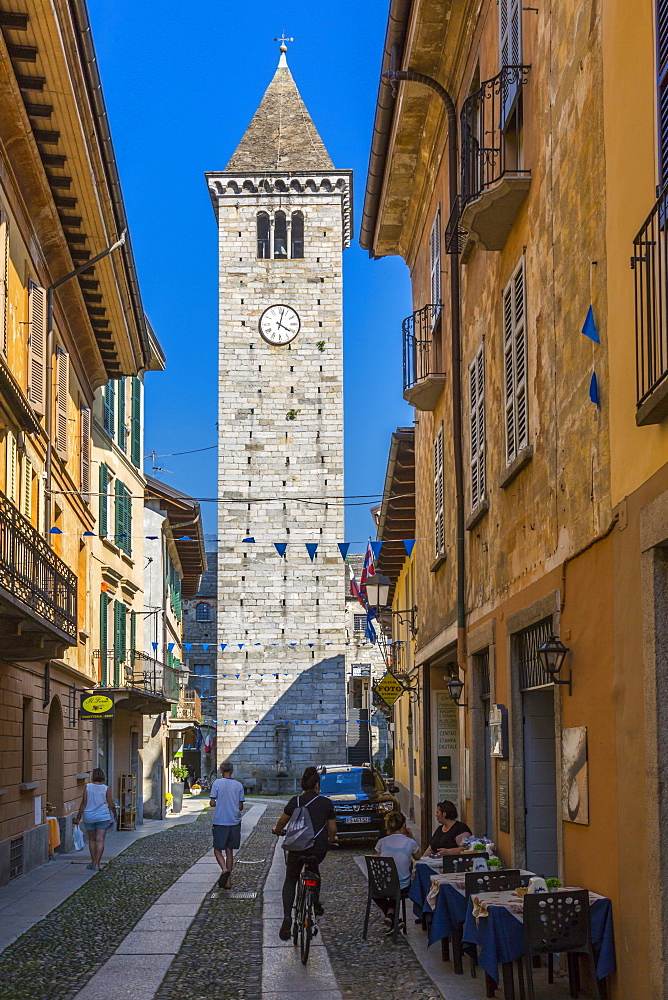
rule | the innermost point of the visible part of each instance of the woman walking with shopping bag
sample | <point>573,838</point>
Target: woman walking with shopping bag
<point>99,813</point>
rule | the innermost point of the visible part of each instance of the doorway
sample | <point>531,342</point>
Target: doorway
<point>54,759</point>
<point>540,781</point>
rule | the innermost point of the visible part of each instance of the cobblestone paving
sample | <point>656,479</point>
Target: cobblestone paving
<point>55,958</point>
<point>221,955</point>
<point>375,969</point>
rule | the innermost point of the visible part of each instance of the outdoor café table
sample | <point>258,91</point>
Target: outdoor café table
<point>499,935</point>
<point>421,885</point>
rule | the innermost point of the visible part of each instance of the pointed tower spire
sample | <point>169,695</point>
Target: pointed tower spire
<point>281,135</point>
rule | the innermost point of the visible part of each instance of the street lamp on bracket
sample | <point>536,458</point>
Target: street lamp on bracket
<point>455,689</point>
<point>552,655</point>
<point>377,595</point>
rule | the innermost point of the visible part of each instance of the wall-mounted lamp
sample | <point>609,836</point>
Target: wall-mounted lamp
<point>552,655</point>
<point>455,689</point>
<point>378,594</point>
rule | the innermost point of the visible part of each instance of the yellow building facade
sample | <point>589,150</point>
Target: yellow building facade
<point>516,169</point>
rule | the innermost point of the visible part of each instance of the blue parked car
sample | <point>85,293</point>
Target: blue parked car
<point>361,799</point>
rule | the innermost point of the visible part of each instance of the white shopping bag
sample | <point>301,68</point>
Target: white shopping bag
<point>77,838</point>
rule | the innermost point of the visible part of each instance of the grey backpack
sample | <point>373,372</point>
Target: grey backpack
<point>299,833</point>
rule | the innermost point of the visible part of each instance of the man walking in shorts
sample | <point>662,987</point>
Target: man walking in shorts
<point>227,801</point>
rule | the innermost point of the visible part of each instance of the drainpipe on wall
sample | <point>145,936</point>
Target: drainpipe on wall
<point>394,76</point>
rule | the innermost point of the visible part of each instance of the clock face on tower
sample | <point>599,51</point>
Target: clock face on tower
<point>279,325</point>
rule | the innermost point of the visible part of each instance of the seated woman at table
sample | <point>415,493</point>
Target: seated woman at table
<point>450,832</point>
<point>400,846</point>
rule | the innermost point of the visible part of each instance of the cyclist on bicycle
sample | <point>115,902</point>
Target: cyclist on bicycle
<point>323,820</point>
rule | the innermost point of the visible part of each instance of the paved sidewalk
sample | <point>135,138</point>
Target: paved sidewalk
<point>29,898</point>
<point>283,975</point>
<point>138,967</point>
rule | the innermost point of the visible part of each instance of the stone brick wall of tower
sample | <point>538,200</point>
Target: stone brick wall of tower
<point>288,702</point>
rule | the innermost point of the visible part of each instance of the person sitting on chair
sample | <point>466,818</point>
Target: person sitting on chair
<point>400,846</point>
<point>450,832</point>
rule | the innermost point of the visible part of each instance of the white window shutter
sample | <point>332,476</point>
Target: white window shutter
<point>510,33</point>
<point>4,281</point>
<point>37,351</point>
<point>62,395</point>
<point>26,489</point>
<point>477,425</point>
<point>439,512</point>
<point>85,453</point>
<point>12,467</point>
<point>435,258</point>
<point>515,362</point>
<point>40,506</point>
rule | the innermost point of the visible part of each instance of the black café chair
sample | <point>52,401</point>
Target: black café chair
<point>453,863</point>
<point>558,922</point>
<point>501,880</point>
<point>383,880</point>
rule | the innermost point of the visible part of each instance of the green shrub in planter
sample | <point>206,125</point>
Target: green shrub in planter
<point>494,863</point>
<point>179,772</point>
<point>552,884</point>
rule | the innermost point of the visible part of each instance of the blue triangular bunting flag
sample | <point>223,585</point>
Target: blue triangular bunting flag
<point>280,548</point>
<point>89,533</point>
<point>375,548</point>
<point>593,390</point>
<point>343,549</point>
<point>249,539</point>
<point>409,544</point>
<point>240,645</point>
<point>155,645</point>
<point>311,548</point>
<point>205,646</point>
<point>223,646</point>
<point>589,326</point>
<point>170,646</point>
<point>184,538</point>
<point>55,531</point>
<point>187,646</point>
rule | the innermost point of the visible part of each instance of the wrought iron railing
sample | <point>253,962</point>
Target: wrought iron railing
<point>32,572</point>
<point>189,706</point>
<point>132,668</point>
<point>455,236</point>
<point>487,153</point>
<point>422,345</point>
<point>650,263</point>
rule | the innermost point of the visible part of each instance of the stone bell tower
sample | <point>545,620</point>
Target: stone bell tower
<point>284,219</point>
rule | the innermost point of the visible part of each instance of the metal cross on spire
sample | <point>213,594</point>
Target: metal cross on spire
<point>283,39</point>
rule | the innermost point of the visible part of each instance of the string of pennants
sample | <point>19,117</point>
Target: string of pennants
<point>281,547</point>
<point>234,647</point>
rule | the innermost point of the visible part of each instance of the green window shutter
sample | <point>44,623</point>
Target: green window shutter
<point>104,602</point>
<point>121,413</point>
<point>123,518</point>
<point>104,502</point>
<point>135,419</point>
<point>120,626</point>
<point>133,630</point>
<point>109,393</point>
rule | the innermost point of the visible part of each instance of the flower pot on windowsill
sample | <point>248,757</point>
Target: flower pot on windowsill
<point>177,796</point>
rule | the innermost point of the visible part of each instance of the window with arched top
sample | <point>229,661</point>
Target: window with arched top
<point>297,235</point>
<point>263,235</point>
<point>203,612</point>
<point>280,235</point>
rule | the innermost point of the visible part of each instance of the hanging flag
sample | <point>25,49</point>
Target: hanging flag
<point>375,548</point>
<point>199,740</point>
<point>368,569</point>
<point>310,645</point>
<point>354,588</point>
<point>223,646</point>
<point>589,326</point>
<point>311,548</point>
<point>370,630</point>
<point>187,646</point>
<point>280,548</point>
<point>205,646</point>
<point>249,539</point>
<point>155,645</point>
<point>343,549</point>
<point>240,645</point>
<point>55,531</point>
<point>593,390</point>
<point>89,533</point>
<point>170,646</point>
<point>409,544</point>
<point>291,644</point>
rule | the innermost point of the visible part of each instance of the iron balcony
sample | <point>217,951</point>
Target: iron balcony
<point>424,376</point>
<point>649,261</point>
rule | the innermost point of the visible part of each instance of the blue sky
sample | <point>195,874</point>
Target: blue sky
<point>181,83</point>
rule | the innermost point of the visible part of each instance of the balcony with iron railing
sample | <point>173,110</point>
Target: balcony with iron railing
<point>424,375</point>
<point>650,264</point>
<point>38,592</point>
<point>140,677</point>
<point>189,706</point>
<point>493,182</point>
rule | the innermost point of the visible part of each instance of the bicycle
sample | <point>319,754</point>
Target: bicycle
<point>304,927</point>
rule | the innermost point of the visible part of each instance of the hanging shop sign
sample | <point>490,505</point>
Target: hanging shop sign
<point>96,706</point>
<point>389,688</point>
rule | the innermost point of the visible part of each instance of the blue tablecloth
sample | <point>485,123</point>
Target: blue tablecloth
<point>499,937</point>
<point>449,912</point>
<point>420,887</point>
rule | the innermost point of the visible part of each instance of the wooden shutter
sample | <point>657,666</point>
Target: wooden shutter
<point>85,453</point>
<point>109,393</point>
<point>439,512</point>
<point>135,418</point>
<point>662,87</point>
<point>62,396</point>
<point>123,529</point>
<point>26,488</point>
<point>103,527</point>
<point>104,638</point>
<point>510,51</point>
<point>121,413</point>
<point>515,363</point>
<point>133,630</point>
<point>120,626</point>
<point>41,513</point>
<point>477,425</point>
<point>435,258</point>
<point>4,280</point>
<point>12,485</point>
<point>37,346</point>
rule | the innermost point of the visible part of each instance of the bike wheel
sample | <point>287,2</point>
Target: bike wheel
<point>295,919</point>
<point>306,928</point>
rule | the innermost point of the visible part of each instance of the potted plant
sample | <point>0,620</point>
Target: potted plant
<point>179,775</point>
<point>494,863</point>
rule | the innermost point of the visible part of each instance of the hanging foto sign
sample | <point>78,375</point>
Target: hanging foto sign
<point>96,706</point>
<point>389,689</point>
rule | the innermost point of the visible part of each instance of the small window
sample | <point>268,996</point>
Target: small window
<point>263,236</point>
<point>360,623</point>
<point>280,235</point>
<point>297,235</point>
<point>203,613</point>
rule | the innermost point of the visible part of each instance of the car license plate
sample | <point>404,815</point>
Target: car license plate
<point>355,819</point>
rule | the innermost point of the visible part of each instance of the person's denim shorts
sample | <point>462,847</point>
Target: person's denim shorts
<point>227,837</point>
<point>98,826</point>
